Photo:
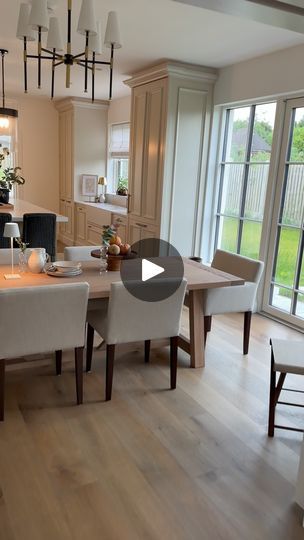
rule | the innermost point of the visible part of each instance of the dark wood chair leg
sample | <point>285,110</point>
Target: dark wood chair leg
<point>246,335</point>
<point>89,352</point>
<point>272,398</point>
<point>109,370</point>
<point>173,361</point>
<point>147,350</point>
<point>79,374</point>
<point>207,326</point>
<point>58,362</point>
<point>2,380</point>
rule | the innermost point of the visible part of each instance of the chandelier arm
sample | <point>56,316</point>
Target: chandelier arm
<point>82,64</point>
<point>25,63</point>
<point>100,62</point>
<point>53,74</point>
<point>93,78</point>
<point>111,70</point>
<point>51,53</point>
<point>78,55</point>
<point>86,63</point>
<point>39,56</point>
<point>58,63</point>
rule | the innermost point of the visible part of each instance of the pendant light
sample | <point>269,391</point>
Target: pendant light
<point>8,117</point>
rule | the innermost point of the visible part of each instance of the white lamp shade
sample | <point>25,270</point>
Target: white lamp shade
<point>11,230</point>
<point>54,40</point>
<point>95,41</point>
<point>39,15</point>
<point>87,18</point>
<point>112,36</point>
<point>24,30</point>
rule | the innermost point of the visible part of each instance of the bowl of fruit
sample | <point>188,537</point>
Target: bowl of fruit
<point>116,249</point>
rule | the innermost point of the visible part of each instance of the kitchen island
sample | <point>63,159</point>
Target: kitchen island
<point>23,207</point>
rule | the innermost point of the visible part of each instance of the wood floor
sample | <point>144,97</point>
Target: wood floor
<point>190,464</point>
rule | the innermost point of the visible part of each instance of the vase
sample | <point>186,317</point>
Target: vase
<point>22,262</point>
<point>4,195</point>
<point>37,260</point>
<point>103,259</point>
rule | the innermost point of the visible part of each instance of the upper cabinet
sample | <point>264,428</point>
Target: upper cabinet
<point>170,128</point>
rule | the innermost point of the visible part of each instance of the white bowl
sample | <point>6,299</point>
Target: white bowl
<point>66,266</point>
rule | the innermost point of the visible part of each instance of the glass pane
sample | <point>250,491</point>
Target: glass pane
<point>281,298</point>
<point>232,189</point>
<point>287,256</point>
<point>297,147</point>
<point>228,234</point>
<point>300,306</point>
<point>237,135</point>
<point>256,191</point>
<point>251,238</point>
<point>301,283</point>
<point>294,196</point>
<point>263,132</point>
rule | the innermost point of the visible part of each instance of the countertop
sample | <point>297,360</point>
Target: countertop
<point>23,207</point>
<point>113,208</point>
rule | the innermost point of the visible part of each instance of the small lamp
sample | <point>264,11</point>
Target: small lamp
<point>102,181</point>
<point>11,230</point>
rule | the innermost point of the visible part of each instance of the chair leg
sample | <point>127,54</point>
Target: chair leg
<point>272,398</point>
<point>246,335</point>
<point>89,352</point>
<point>2,380</point>
<point>147,350</point>
<point>58,362</point>
<point>109,370</point>
<point>173,361</point>
<point>207,326</point>
<point>79,374</point>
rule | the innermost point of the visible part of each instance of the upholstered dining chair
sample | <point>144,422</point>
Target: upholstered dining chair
<point>4,218</point>
<point>78,253</point>
<point>36,320</point>
<point>286,357</point>
<point>127,319</point>
<point>236,299</point>
<point>39,230</point>
<point>6,255</point>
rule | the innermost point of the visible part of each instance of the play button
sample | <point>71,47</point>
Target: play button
<point>155,272</point>
<point>149,270</point>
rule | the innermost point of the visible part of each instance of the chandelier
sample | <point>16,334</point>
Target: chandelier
<point>8,117</point>
<point>35,18</point>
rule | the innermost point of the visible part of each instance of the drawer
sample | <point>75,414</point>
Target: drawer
<point>94,234</point>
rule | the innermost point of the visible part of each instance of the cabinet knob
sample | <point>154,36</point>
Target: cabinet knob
<point>141,225</point>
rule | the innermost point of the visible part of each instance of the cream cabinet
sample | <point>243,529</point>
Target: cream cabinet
<point>80,224</point>
<point>66,175</point>
<point>170,129</point>
<point>123,227</point>
<point>89,222</point>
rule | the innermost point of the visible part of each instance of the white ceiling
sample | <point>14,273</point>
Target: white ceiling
<point>151,30</point>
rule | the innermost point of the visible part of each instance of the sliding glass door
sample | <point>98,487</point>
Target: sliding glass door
<point>284,284</point>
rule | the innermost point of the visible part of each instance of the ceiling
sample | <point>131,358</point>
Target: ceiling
<point>151,30</point>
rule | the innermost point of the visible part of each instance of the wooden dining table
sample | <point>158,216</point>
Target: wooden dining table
<point>199,277</point>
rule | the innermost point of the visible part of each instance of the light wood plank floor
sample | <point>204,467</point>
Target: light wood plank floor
<point>191,464</point>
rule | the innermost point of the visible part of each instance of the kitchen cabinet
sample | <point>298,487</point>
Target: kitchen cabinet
<point>123,227</point>
<point>171,108</point>
<point>66,175</point>
<point>89,222</point>
<point>80,224</point>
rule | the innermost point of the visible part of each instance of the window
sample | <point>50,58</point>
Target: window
<point>244,171</point>
<point>119,154</point>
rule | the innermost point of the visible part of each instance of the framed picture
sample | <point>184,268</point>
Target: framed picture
<point>89,185</point>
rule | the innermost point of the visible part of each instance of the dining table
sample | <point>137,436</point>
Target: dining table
<point>199,277</point>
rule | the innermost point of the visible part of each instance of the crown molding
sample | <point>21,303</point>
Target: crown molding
<point>70,103</point>
<point>173,69</point>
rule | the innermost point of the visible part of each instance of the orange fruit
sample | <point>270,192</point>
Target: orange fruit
<point>115,240</point>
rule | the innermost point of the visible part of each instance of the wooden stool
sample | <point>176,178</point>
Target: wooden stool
<point>286,357</point>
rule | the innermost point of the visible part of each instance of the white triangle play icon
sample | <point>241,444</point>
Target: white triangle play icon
<point>149,270</point>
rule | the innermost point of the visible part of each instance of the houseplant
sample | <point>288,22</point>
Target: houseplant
<point>122,188</point>
<point>8,177</point>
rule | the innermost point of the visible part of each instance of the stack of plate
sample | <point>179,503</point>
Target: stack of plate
<point>64,269</point>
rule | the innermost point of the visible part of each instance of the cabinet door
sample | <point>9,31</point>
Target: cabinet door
<point>154,147</point>
<point>140,230</point>
<point>94,234</point>
<point>134,233</point>
<point>123,227</point>
<point>69,226</point>
<point>62,141</point>
<point>137,149</point>
<point>80,225</point>
<point>62,211</point>
<point>69,145</point>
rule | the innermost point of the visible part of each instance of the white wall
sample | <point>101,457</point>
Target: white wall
<point>279,73</point>
<point>38,151</point>
<point>120,110</point>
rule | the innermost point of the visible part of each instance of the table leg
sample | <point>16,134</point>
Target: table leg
<point>195,346</point>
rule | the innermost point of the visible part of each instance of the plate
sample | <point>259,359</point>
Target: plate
<point>66,266</point>
<point>57,273</point>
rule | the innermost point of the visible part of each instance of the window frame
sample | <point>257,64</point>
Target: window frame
<point>112,181</point>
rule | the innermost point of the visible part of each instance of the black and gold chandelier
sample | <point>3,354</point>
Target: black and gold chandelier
<point>35,17</point>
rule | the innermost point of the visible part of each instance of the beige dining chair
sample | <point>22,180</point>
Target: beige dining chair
<point>127,319</point>
<point>43,319</point>
<point>6,255</point>
<point>79,253</point>
<point>235,299</point>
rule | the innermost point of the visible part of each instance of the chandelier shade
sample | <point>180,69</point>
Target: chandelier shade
<point>54,40</point>
<point>87,18</point>
<point>39,18</point>
<point>112,35</point>
<point>24,30</point>
<point>36,17</point>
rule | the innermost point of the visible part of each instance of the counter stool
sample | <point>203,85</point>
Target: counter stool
<point>286,357</point>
